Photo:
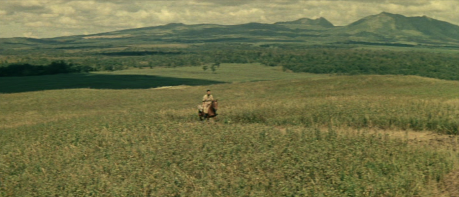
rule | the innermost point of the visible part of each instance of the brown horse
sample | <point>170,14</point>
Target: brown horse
<point>212,111</point>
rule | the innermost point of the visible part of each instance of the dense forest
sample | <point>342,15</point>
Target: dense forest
<point>56,67</point>
<point>352,62</point>
<point>312,59</point>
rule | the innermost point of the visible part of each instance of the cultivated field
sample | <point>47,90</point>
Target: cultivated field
<point>278,134</point>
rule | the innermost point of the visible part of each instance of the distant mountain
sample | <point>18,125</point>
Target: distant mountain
<point>307,23</point>
<point>381,29</point>
<point>396,28</point>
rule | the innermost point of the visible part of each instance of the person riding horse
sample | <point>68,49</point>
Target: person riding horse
<point>207,100</point>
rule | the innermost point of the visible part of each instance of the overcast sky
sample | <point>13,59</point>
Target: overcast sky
<point>52,18</point>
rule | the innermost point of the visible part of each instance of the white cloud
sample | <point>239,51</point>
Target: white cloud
<point>247,12</point>
<point>30,3</point>
<point>55,17</point>
<point>67,21</point>
<point>29,35</point>
<point>142,14</point>
<point>122,13</point>
<point>39,24</point>
<point>166,16</point>
<point>62,9</point>
<point>67,33</point>
<point>44,16</point>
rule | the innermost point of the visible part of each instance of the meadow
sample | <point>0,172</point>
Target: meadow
<point>278,134</point>
<point>149,78</point>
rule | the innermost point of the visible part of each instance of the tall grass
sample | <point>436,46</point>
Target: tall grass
<point>169,158</point>
<point>355,112</point>
<point>85,142</point>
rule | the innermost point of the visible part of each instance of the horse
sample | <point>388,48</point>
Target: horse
<point>211,113</point>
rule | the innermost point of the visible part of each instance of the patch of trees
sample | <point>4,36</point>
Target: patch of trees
<point>57,67</point>
<point>354,62</point>
<point>141,53</point>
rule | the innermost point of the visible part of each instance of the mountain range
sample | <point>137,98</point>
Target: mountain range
<point>381,29</point>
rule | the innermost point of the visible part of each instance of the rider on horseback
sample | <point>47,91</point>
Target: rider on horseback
<point>206,103</point>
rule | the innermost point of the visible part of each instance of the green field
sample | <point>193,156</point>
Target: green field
<point>149,78</point>
<point>127,133</point>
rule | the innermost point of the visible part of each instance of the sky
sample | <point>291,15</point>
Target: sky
<point>54,18</point>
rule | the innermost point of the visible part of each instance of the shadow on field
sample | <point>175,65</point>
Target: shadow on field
<point>94,81</point>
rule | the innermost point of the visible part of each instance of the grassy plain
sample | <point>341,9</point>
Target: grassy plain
<point>278,134</point>
<point>149,78</point>
<point>227,73</point>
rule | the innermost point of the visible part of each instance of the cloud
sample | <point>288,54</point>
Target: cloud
<point>62,17</point>
<point>27,6</point>
<point>39,24</point>
<point>227,3</point>
<point>29,35</point>
<point>62,9</point>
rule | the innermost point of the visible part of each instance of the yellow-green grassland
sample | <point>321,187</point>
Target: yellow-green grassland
<point>278,133</point>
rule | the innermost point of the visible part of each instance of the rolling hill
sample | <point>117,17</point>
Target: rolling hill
<point>306,23</point>
<point>308,136</point>
<point>398,28</point>
<point>384,28</point>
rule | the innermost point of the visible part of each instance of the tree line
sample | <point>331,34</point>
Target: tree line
<point>56,67</point>
<point>312,59</point>
<point>354,62</point>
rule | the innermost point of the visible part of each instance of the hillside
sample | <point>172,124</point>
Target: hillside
<point>330,136</point>
<point>382,29</point>
<point>387,27</point>
<point>306,23</point>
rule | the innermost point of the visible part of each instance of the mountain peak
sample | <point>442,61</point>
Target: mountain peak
<point>382,20</point>
<point>174,25</point>
<point>308,22</point>
<point>379,28</point>
<point>398,26</point>
<point>387,14</point>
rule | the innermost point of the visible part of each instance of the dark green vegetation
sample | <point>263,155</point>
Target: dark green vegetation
<point>94,81</point>
<point>312,59</point>
<point>353,62</point>
<point>305,137</point>
<point>58,67</point>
